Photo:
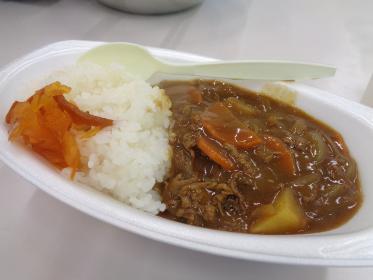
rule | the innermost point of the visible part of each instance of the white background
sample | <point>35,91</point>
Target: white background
<point>41,238</point>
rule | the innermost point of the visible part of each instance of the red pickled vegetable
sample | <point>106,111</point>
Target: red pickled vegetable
<point>44,122</point>
<point>80,117</point>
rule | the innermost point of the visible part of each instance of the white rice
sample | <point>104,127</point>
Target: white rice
<point>128,158</point>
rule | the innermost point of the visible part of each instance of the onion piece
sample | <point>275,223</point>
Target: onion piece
<point>321,149</point>
<point>299,127</point>
<point>240,107</point>
<point>335,191</point>
<point>306,180</point>
<point>351,170</point>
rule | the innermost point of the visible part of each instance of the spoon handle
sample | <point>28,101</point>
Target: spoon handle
<point>254,70</point>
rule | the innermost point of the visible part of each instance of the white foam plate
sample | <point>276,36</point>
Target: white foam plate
<point>351,244</point>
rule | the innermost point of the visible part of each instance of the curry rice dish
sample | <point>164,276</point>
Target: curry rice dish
<point>221,157</point>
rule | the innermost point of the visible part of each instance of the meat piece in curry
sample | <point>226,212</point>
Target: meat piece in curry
<point>245,162</point>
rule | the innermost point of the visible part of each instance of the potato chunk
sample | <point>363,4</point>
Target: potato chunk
<point>283,215</point>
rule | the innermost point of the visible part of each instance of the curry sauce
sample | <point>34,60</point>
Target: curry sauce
<point>245,162</point>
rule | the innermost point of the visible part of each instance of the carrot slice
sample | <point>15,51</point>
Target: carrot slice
<point>243,138</point>
<point>219,112</point>
<point>286,161</point>
<point>80,117</point>
<point>215,153</point>
<point>221,124</point>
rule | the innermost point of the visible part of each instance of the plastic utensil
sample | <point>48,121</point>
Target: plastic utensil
<point>150,6</point>
<point>140,62</point>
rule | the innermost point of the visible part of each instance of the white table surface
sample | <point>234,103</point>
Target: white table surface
<point>41,238</point>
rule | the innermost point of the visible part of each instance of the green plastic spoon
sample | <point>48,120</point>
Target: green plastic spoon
<point>140,62</point>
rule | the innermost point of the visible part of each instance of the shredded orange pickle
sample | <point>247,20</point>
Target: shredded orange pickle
<point>45,122</point>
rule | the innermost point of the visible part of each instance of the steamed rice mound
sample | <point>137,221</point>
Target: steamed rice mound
<point>129,157</point>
